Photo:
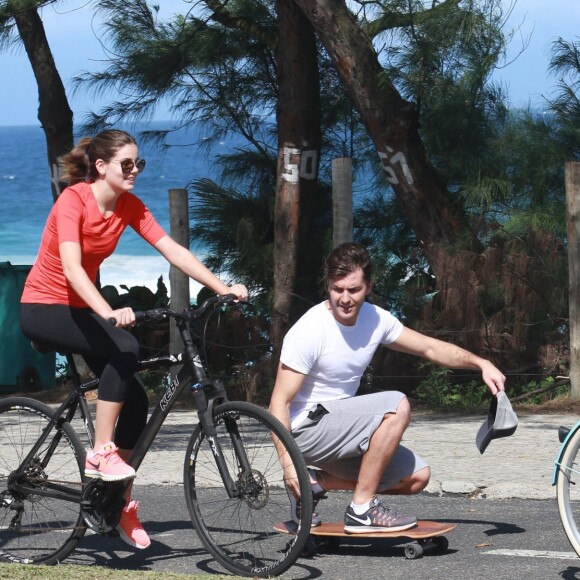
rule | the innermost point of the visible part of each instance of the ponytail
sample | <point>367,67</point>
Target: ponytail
<point>75,165</point>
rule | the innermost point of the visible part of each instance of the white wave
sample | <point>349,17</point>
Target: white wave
<point>122,269</point>
<point>139,271</point>
<point>18,259</point>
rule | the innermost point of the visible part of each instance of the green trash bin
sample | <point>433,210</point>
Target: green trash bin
<point>21,367</point>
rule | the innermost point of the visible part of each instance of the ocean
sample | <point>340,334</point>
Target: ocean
<point>26,200</point>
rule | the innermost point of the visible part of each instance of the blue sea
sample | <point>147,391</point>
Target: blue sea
<point>26,199</point>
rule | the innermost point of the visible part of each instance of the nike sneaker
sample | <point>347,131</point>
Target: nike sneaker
<point>378,518</point>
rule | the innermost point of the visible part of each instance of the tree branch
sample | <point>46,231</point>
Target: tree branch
<point>390,20</point>
<point>229,20</point>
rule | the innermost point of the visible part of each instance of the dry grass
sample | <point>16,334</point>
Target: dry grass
<point>72,572</point>
<point>560,405</point>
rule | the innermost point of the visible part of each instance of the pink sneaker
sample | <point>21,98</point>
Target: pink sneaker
<point>130,527</point>
<point>106,464</point>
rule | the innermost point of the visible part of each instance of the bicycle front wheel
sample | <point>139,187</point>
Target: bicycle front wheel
<point>37,524</point>
<point>568,491</point>
<point>239,531</point>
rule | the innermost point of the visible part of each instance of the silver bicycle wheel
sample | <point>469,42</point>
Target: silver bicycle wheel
<point>568,491</point>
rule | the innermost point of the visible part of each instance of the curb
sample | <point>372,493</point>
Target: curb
<point>468,489</point>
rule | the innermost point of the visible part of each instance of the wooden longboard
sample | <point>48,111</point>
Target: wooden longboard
<point>425,535</point>
<point>423,530</point>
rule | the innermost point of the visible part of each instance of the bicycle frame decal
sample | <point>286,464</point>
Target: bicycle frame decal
<point>169,393</point>
<point>558,461</point>
<point>214,448</point>
<point>14,559</point>
<point>197,361</point>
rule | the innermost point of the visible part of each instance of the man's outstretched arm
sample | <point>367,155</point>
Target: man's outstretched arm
<point>449,355</point>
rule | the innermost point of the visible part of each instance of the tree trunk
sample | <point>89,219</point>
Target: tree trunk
<point>54,112</point>
<point>298,118</point>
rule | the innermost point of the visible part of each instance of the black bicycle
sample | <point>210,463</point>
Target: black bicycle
<point>233,472</point>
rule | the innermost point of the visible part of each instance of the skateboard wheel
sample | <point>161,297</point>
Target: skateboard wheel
<point>310,548</point>
<point>413,551</point>
<point>441,543</point>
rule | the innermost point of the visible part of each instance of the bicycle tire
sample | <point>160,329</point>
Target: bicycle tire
<point>568,491</point>
<point>36,529</point>
<point>239,532</point>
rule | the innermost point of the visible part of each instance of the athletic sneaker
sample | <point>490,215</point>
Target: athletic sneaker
<point>318,493</point>
<point>378,518</point>
<point>130,528</point>
<point>107,464</point>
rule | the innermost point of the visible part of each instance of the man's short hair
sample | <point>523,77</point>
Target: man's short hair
<point>345,259</point>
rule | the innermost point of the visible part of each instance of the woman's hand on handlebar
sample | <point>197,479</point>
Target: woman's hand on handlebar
<point>239,291</point>
<point>123,317</point>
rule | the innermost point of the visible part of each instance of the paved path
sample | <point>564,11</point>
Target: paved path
<point>519,466</point>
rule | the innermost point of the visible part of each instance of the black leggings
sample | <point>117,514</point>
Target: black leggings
<point>111,353</point>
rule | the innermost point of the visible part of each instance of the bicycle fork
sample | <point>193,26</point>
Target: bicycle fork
<point>205,414</point>
<point>206,419</point>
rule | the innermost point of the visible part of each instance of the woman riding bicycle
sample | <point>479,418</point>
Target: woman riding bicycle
<point>61,305</point>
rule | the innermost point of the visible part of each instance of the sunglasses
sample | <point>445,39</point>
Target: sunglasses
<point>128,164</point>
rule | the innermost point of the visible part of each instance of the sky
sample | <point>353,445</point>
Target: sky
<point>73,36</point>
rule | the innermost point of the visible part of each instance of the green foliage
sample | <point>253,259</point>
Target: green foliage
<point>402,277</point>
<point>541,384</point>
<point>236,229</point>
<point>438,391</point>
<point>443,63</point>
<point>565,65</point>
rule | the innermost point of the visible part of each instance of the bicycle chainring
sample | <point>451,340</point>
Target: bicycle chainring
<point>101,505</point>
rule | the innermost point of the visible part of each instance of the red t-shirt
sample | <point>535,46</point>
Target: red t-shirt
<point>75,217</point>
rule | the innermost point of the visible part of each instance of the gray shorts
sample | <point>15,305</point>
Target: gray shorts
<point>337,440</point>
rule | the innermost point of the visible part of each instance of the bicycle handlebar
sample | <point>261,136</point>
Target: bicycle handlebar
<point>189,313</point>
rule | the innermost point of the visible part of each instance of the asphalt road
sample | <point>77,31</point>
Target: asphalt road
<point>494,540</point>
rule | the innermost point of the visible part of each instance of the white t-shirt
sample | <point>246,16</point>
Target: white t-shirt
<point>333,356</point>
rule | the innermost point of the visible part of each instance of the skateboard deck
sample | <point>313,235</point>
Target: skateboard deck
<point>426,535</point>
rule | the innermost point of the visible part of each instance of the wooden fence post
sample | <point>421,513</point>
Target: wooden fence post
<point>573,227</point>
<point>341,200</point>
<point>178,282</point>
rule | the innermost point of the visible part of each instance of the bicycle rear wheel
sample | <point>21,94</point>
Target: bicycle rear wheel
<point>568,491</point>
<point>36,528</point>
<point>239,532</point>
